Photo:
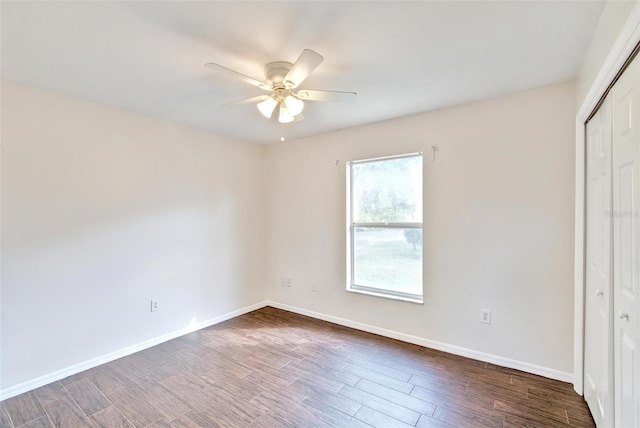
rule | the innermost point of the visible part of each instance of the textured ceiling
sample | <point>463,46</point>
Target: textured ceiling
<point>400,57</point>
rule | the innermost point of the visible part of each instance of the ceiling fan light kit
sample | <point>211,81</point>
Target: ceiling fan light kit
<point>294,105</point>
<point>285,115</point>
<point>290,106</point>
<point>282,78</point>
<point>267,106</point>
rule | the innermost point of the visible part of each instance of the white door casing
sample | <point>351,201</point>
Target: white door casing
<point>598,351</point>
<point>626,240</point>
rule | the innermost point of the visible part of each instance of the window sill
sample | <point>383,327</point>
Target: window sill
<point>386,296</point>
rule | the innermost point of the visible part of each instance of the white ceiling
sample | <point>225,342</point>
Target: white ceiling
<point>400,57</point>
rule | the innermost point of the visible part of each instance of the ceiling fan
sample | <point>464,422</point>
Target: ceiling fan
<point>282,80</point>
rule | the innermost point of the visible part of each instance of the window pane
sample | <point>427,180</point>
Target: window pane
<point>388,190</point>
<point>389,259</point>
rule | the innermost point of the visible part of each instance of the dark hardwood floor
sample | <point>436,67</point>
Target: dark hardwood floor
<point>272,368</point>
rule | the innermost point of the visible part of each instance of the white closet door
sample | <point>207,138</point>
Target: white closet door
<point>626,240</point>
<point>598,353</point>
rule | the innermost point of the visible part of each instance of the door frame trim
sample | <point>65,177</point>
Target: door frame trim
<point>620,52</point>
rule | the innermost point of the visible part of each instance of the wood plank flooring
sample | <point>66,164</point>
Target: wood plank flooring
<point>271,368</point>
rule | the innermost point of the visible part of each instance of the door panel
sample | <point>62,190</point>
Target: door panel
<point>627,416</point>
<point>598,301</point>
<point>625,182</point>
<point>626,238</point>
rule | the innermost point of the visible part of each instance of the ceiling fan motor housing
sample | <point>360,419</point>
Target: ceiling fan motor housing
<point>275,72</point>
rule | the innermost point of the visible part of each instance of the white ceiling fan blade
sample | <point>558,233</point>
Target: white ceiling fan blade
<point>232,73</point>
<point>252,100</point>
<point>304,65</point>
<point>334,96</point>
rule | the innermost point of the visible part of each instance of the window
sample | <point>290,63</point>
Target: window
<point>384,211</point>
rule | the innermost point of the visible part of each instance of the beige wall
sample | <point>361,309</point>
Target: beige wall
<point>498,225</point>
<point>104,210</point>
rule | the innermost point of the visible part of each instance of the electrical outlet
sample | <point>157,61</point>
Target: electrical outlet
<point>485,316</point>
<point>155,305</point>
<point>314,286</point>
<point>285,282</point>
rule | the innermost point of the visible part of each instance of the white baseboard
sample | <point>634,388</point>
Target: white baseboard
<point>451,349</point>
<point>86,365</point>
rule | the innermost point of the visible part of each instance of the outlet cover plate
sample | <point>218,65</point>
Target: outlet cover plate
<point>485,316</point>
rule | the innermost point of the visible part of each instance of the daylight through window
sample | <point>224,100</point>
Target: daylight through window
<point>385,226</point>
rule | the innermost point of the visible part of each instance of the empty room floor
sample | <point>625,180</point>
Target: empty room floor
<point>272,368</point>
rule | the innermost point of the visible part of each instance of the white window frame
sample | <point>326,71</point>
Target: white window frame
<point>351,226</point>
